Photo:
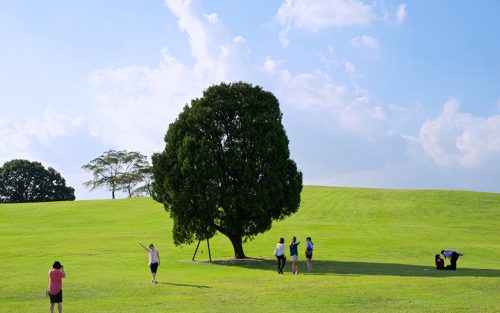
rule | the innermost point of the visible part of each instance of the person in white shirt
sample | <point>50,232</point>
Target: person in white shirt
<point>153,260</point>
<point>279,253</point>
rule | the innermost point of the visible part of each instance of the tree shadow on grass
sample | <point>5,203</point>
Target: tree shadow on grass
<point>322,267</point>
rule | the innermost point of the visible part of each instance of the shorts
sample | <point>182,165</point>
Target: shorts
<point>294,257</point>
<point>154,267</point>
<point>56,298</point>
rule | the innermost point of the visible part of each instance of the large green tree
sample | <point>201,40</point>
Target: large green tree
<point>26,181</point>
<point>117,170</point>
<point>226,166</point>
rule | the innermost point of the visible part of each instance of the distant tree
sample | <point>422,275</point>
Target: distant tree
<point>226,167</point>
<point>116,170</point>
<point>135,167</point>
<point>147,181</point>
<point>26,181</point>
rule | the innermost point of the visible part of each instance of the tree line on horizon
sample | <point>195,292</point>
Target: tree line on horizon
<point>29,181</point>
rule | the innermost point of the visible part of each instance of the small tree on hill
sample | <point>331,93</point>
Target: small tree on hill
<point>26,181</point>
<point>226,167</point>
<point>147,181</point>
<point>134,167</point>
<point>116,170</point>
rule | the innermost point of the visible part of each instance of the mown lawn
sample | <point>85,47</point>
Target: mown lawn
<point>374,252</point>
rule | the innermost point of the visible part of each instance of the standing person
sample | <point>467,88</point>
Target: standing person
<point>453,256</point>
<point>294,255</point>
<point>279,253</point>
<point>439,262</point>
<point>56,274</point>
<point>309,254</point>
<point>153,261</point>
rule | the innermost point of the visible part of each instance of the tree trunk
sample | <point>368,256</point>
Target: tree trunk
<point>238,247</point>
<point>113,193</point>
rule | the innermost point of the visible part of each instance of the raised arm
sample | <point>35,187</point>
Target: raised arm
<point>143,247</point>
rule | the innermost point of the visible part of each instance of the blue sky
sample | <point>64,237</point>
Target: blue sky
<point>391,94</point>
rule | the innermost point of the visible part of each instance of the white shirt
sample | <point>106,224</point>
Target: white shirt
<point>280,249</point>
<point>154,257</point>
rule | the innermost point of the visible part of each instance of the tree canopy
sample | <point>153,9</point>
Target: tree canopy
<point>119,170</point>
<point>26,181</point>
<point>226,166</point>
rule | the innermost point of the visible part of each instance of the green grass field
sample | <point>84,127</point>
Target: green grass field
<point>374,251</point>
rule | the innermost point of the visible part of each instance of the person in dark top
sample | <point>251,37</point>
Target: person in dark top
<point>439,262</point>
<point>294,255</point>
<point>453,256</point>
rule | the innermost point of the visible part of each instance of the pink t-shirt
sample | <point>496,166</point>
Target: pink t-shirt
<point>55,284</point>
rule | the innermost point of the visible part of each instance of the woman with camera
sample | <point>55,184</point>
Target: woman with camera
<point>56,274</point>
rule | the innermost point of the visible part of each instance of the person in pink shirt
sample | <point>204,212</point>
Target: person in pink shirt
<point>56,274</point>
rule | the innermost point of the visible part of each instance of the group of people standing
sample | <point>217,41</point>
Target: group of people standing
<point>279,253</point>
<point>448,254</point>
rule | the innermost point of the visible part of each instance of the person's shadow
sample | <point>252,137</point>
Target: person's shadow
<point>325,267</point>
<point>184,285</point>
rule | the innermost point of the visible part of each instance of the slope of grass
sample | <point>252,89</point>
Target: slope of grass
<point>374,252</point>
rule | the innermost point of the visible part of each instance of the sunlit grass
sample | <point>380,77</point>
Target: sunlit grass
<point>374,252</point>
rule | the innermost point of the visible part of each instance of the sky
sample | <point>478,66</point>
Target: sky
<point>379,94</point>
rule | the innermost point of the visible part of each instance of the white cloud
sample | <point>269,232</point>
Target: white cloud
<point>16,139</point>
<point>350,107</point>
<point>460,138</point>
<point>401,13</point>
<point>135,104</point>
<point>315,15</point>
<point>283,36</point>
<point>239,39</point>
<point>271,66</point>
<point>197,34</point>
<point>350,68</point>
<point>51,125</point>
<point>365,41</point>
<point>212,18</point>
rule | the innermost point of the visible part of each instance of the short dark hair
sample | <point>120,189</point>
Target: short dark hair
<point>282,240</point>
<point>57,265</point>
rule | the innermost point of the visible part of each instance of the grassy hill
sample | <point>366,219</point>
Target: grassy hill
<point>374,251</point>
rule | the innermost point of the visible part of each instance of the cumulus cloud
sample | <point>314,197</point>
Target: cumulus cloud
<point>366,42</point>
<point>350,68</point>
<point>460,138</point>
<point>135,104</point>
<point>351,107</point>
<point>401,13</point>
<point>212,18</point>
<point>16,139</point>
<point>314,15</point>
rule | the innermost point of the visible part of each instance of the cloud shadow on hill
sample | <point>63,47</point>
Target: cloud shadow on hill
<point>324,267</point>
